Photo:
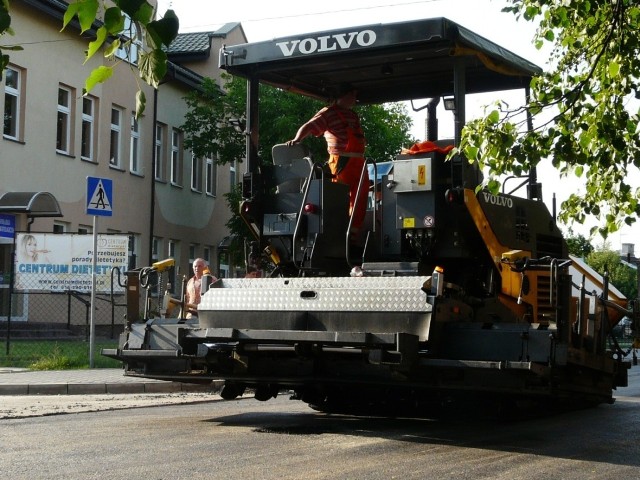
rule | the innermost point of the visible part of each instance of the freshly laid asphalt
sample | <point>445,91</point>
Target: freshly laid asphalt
<point>15,381</point>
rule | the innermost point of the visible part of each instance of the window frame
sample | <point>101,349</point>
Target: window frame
<point>196,174</point>
<point>64,127</point>
<point>210,177</point>
<point>134,149</point>
<point>158,168</point>
<point>60,227</point>
<point>233,177</point>
<point>176,157</point>
<point>129,52</point>
<point>17,94</point>
<point>115,133</point>
<point>88,119</point>
<point>172,252</point>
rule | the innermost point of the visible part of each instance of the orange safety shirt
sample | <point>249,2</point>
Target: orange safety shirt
<point>341,129</point>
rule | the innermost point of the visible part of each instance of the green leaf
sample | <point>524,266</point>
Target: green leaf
<point>114,20</point>
<point>471,153</point>
<point>493,186</point>
<point>144,14</point>
<point>94,46</point>
<point>5,20</point>
<point>111,50</point>
<point>494,117</point>
<point>153,66</point>
<point>98,75</point>
<point>130,7</point>
<point>141,102</point>
<point>614,68</point>
<point>165,30</point>
<point>69,13</point>
<point>86,10</point>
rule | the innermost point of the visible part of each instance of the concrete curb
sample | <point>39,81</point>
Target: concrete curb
<point>106,388</point>
<point>91,382</point>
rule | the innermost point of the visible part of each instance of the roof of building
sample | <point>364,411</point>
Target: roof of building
<point>194,42</point>
<point>198,43</point>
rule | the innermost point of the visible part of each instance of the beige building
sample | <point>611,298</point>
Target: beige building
<point>54,138</point>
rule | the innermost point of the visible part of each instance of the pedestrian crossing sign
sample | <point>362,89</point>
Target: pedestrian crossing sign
<point>99,196</point>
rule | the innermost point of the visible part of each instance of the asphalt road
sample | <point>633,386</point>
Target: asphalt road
<point>285,439</point>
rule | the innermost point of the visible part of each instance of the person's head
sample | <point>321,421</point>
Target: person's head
<point>253,272</point>
<point>345,95</point>
<point>29,246</point>
<point>199,264</point>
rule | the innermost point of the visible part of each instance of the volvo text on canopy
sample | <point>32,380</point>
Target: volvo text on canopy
<point>455,294</point>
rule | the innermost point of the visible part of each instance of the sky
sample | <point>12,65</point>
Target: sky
<point>264,20</point>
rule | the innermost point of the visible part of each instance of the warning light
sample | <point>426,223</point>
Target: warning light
<point>454,195</point>
<point>245,208</point>
<point>310,208</point>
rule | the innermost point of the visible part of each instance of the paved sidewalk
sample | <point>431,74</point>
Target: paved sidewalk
<point>14,381</point>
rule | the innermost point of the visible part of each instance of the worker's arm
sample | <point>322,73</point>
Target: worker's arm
<point>303,132</point>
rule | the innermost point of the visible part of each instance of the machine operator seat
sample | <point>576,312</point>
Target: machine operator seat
<point>292,167</point>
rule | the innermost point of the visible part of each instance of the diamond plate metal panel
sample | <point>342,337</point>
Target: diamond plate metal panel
<point>364,294</point>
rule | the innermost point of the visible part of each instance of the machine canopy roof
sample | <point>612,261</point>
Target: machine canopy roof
<point>385,62</point>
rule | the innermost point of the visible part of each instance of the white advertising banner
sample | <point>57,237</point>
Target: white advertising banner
<point>60,262</point>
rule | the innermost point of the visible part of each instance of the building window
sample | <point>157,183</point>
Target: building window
<point>176,157</point>
<point>156,245</point>
<point>196,174</point>
<point>134,241</point>
<point>84,229</point>
<point>12,103</point>
<point>156,248</point>
<point>134,154</point>
<point>60,227</point>
<point>159,152</point>
<point>63,135</point>
<point>88,128</point>
<point>172,251</point>
<point>232,174</point>
<point>206,255</point>
<point>210,177</point>
<point>192,252</point>
<point>130,42</point>
<point>115,140</point>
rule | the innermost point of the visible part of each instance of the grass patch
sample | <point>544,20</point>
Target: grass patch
<point>56,355</point>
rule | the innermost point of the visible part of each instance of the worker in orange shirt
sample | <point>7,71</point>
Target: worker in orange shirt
<point>341,128</point>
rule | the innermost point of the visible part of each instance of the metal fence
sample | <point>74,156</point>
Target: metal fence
<point>45,325</point>
<point>46,312</point>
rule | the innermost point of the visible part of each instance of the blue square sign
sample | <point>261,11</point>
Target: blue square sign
<point>99,196</point>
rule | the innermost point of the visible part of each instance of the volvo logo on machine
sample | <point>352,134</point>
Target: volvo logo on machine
<point>328,43</point>
<point>497,200</point>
